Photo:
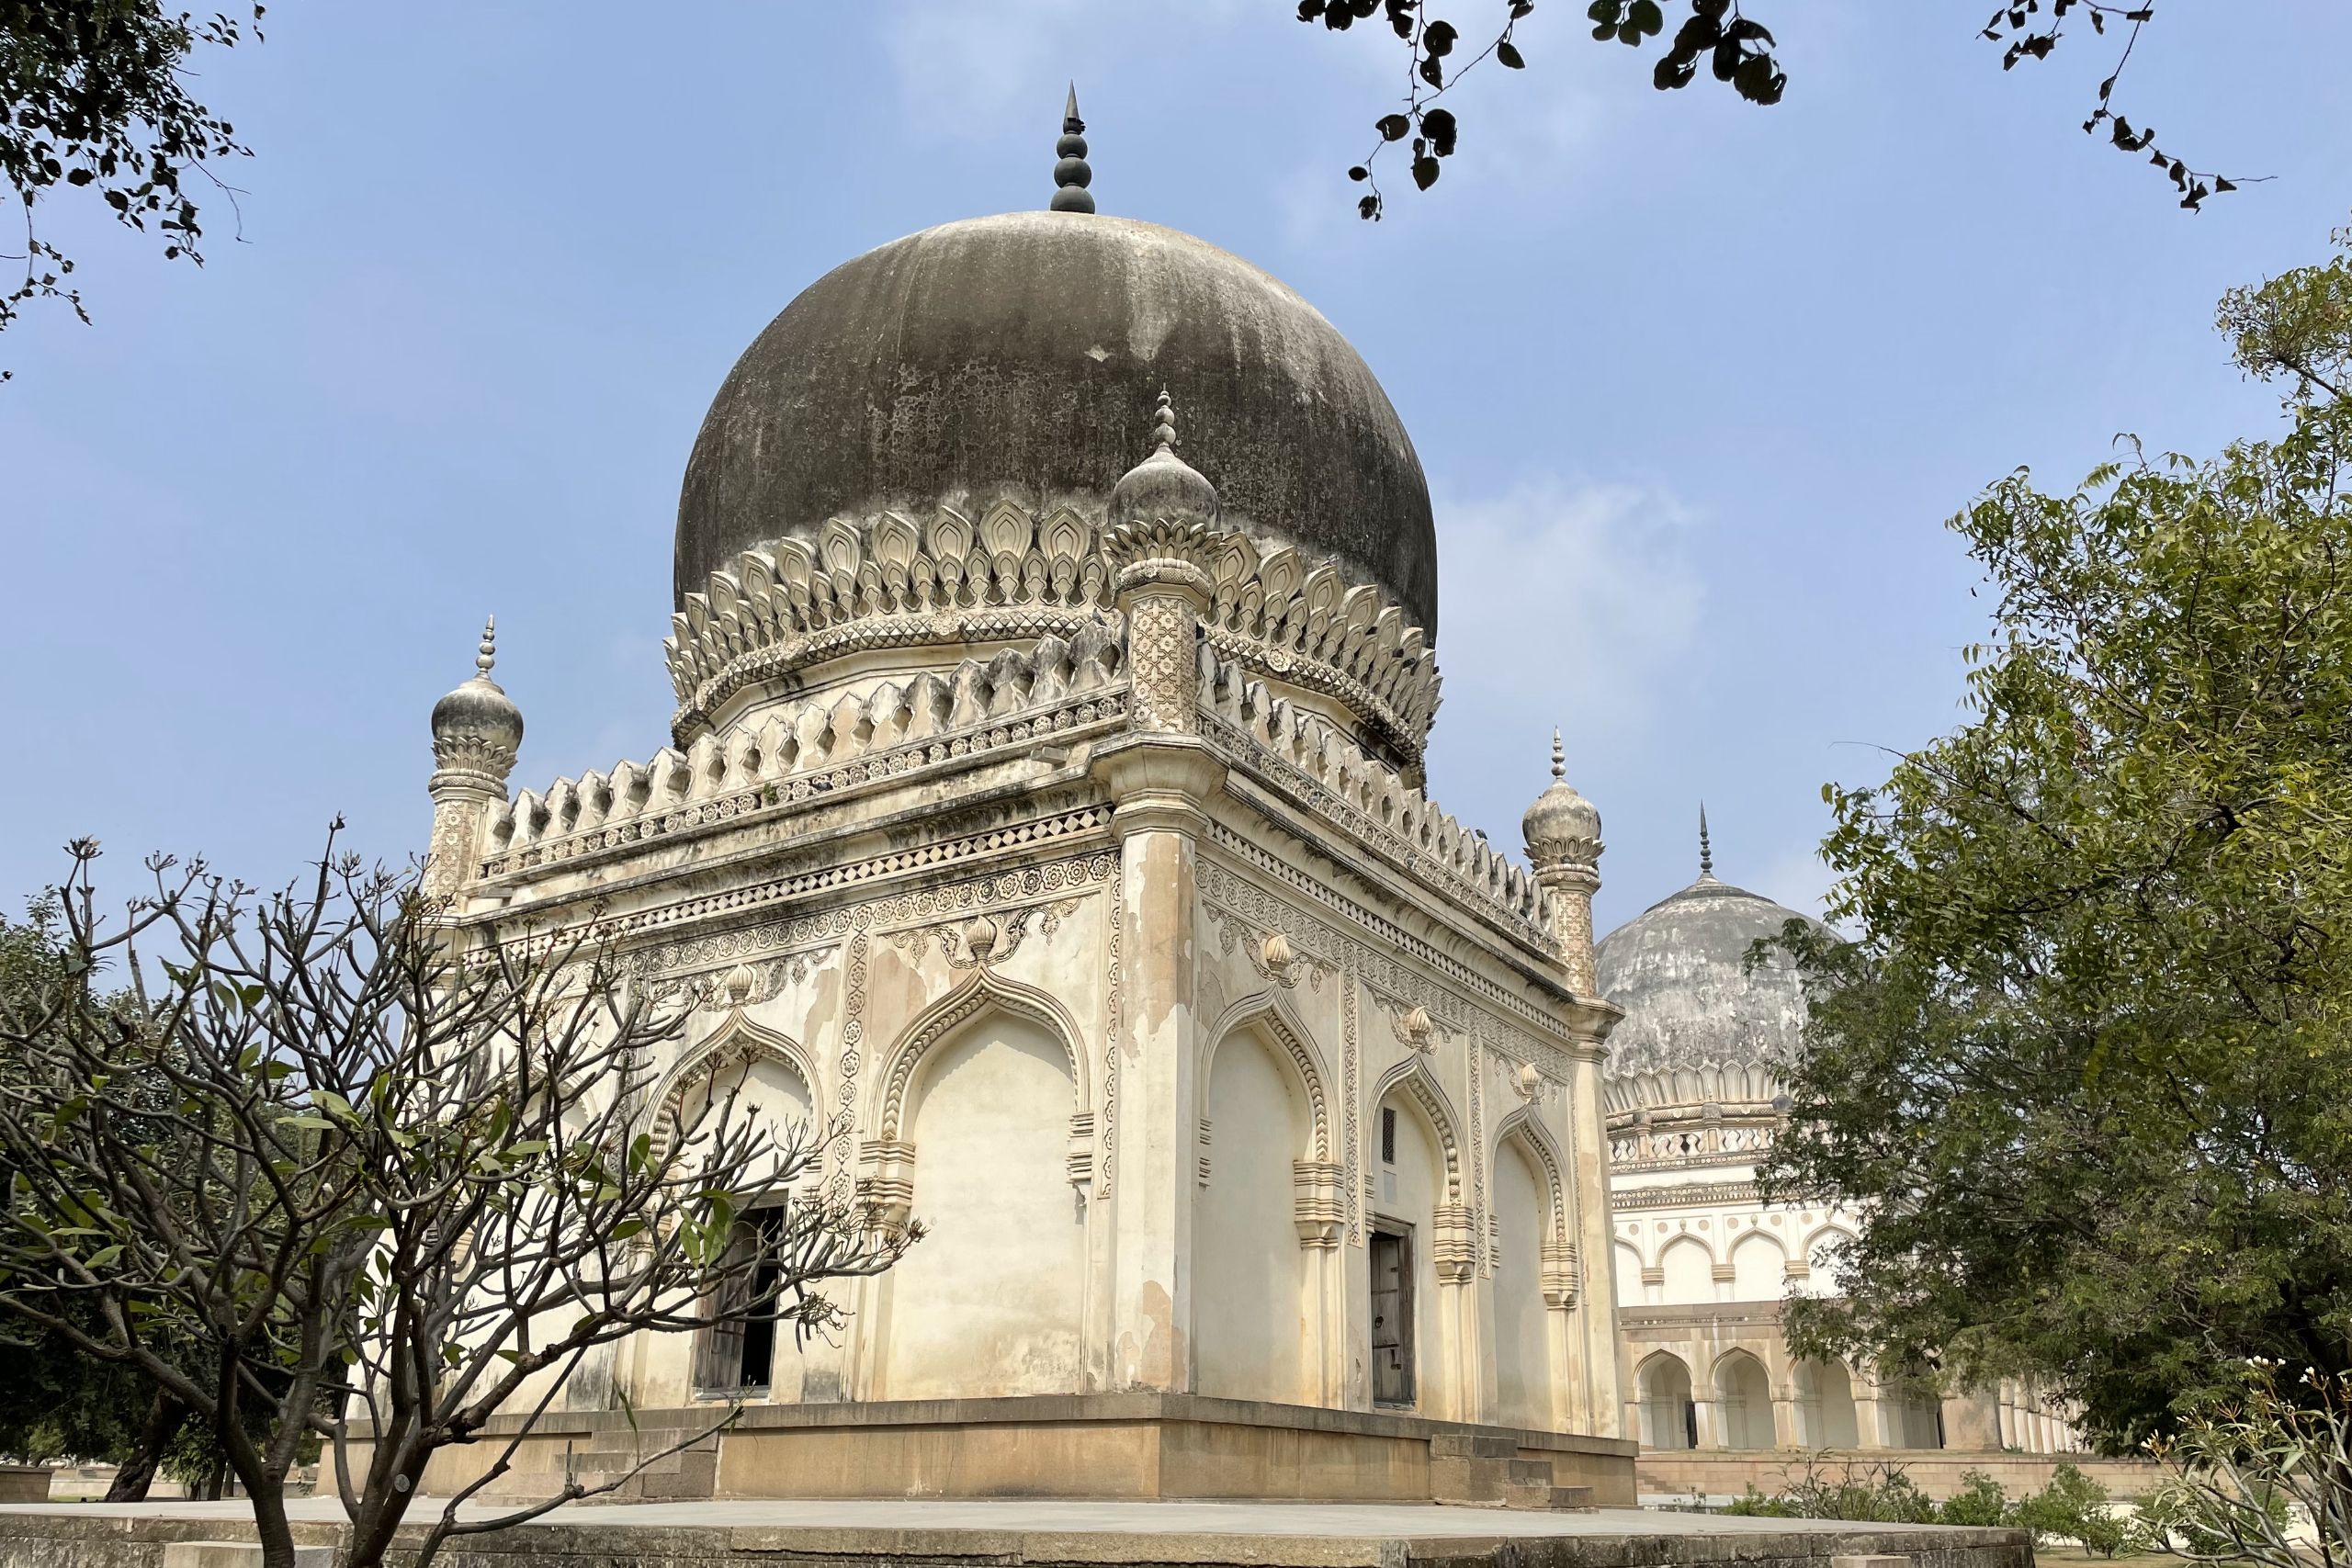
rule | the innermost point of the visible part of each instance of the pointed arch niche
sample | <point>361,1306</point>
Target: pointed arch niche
<point>978,1123</point>
<point>743,1074</point>
<point>1423,1249</point>
<point>1535,1277</point>
<point>1267,1216</point>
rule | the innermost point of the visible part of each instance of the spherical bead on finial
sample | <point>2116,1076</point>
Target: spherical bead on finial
<point>1071,174</point>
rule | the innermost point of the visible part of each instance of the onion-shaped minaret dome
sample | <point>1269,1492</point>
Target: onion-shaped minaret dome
<point>476,729</point>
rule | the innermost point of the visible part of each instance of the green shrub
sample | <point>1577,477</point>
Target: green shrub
<point>2073,1507</point>
<point>1981,1500</point>
<point>1882,1494</point>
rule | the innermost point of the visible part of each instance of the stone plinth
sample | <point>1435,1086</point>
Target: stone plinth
<point>1049,1535</point>
<point>1137,1446</point>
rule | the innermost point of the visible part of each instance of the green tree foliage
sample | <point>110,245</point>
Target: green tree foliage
<point>56,1402</point>
<point>2087,1062</point>
<point>1737,49</point>
<point>93,95</point>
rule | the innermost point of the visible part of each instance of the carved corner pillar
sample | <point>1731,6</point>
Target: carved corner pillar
<point>1571,887</point>
<point>1161,786</point>
<point>1594,1311</point>
<point>1162,587</point>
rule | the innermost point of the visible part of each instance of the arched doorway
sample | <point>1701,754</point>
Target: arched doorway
<point>1668,1422</point>
<point>1826,1414</point>
<point>1744,1393</point>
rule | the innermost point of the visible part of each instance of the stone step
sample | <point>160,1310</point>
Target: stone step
<point>1544,1494</point>
<point>1517,1470</point>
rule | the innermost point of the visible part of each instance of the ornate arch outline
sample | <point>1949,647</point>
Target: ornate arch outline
<point>1731,1354</point>
<point>1531,1131</point>
<point>1271,1012</point>
<point>736,1041</point>
<point>985,992</point>
<point>1413,1074</point>
<point>1642,1367</point>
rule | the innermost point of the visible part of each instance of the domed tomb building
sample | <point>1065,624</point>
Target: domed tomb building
<point>1055,600</point>
<point>1694,1093</point>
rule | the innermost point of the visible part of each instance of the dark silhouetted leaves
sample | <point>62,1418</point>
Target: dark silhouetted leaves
<point>1438,124</point>
<point>1394,126</point>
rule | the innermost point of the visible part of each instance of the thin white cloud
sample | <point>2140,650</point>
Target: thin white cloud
<point>1560,602</point>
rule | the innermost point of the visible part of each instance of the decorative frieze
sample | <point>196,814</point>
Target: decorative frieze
<point>1314,761</point>
<point>887,581</point>
<point>1058,690</point>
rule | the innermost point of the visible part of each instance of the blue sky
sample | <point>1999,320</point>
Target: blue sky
<point>1695,384</point>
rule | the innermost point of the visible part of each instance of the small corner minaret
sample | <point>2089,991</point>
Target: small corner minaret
<point>1071,174</point>
<point>476,731</point>
<point>1563,833</point>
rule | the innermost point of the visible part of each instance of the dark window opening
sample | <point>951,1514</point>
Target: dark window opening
<point>1388,1134</point>
<point>738,1349</point>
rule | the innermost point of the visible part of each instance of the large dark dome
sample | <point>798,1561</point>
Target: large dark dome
<point>1021,356</point>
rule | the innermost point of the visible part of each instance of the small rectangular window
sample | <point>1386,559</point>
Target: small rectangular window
<point>1388,1134</point>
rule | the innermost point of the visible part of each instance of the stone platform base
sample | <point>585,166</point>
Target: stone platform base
<point>1107,1446</point>
<point>1937,1471</point>
<point>1043,1535</point>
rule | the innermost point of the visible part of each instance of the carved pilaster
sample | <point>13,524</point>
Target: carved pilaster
<point>1316,1187</point>
<point>1571,888</point>
<point>887,1180</point>
<point>1559,1276</point>
<point>1454,1243</point>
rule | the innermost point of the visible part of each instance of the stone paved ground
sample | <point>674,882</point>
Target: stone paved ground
<point>1023,1516</point>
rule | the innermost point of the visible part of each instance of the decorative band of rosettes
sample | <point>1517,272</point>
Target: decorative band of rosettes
<point>887,581</point>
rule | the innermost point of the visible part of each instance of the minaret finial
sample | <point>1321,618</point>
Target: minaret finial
<point>488,655</point>
<point>1071,174</point>
<point>1163,425</point>
<point>1559,756</point>
<point>1706,854</point>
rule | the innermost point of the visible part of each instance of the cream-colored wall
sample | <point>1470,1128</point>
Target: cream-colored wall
<point>1525,1380</point>
<point>1250,1336</point>
<point>989,1302</point>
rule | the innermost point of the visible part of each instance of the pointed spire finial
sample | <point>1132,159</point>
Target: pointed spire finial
<point>1559,756</point>
<point>488,655</point>
<point>1071,174</point>
<point>1706,852</point>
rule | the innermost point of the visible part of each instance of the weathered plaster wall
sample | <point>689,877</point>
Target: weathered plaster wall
<point>991,1302</point>
<point>1525,1382</point>
<point>1252,1338</point>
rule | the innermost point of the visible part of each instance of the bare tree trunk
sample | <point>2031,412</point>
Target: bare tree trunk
<point>166,1417</point>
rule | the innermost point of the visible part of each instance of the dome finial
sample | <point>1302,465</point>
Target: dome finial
<point>1071,174</point>
<point>1559,756</point>
<point>488,655</point>
<point>1163,487</point>
<point>1706,852</point>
